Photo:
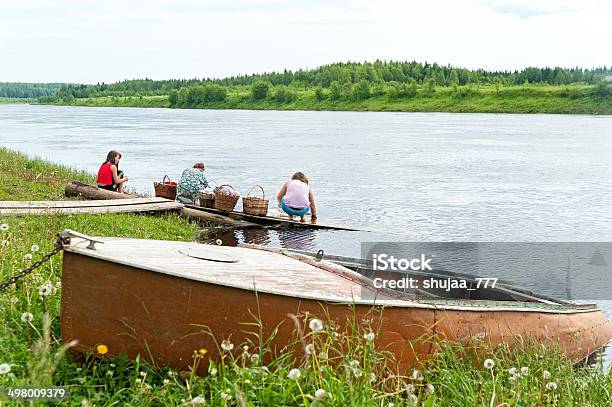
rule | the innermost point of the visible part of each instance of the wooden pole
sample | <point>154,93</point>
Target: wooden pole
<point>80,189</point>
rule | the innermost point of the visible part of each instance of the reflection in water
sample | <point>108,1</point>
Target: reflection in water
<point>290,238</point>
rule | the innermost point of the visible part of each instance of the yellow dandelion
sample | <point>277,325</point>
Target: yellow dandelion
<point>202,352</point>
<point>102,349</point>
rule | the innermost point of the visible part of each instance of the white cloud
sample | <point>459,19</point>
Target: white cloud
<point>79,41</point>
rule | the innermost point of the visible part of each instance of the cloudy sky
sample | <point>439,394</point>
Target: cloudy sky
<point>110,40</point>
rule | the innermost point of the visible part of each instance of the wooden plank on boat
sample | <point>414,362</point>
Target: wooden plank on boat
<point>268,220</point>
<point>133,205</point>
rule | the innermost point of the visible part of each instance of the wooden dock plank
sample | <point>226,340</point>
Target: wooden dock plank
<point>79,204</point>
<point>94,207</point>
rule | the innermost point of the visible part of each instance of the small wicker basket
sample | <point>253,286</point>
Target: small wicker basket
<point>252,205</point>
<point>223,201</point>
<point>165,189</point>
<point>207,199</point>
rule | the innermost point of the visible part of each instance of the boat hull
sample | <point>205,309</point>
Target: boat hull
<point>164,318</point>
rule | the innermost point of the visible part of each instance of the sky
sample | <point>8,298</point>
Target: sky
<point>83,41</point>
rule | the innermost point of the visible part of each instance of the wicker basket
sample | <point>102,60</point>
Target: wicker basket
<point>165,189</point>
<point>225,202</point>
<point>207,199</point>
<point>252,205</point>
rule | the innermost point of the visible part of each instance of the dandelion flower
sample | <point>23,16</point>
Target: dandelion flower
<point>309,349</point>
<point>512,371</point>
<point>166,381</point>
<point>245,348</point>
<point>196,401</point>
<point>27,317</point>
<point>45,290</point>
<point>4,227</point>
<point>430,388</point>
<point>102,349</point>
<point>5,368</point>
<point>320,394</point>
<point>315,325</point>
<point>226,395</point>
<point>369,336</point>
<point>489,364</point>
<point>226,345</point>
<point>34,248</point>
<point>255,358</point>
<point>294,374</point>
<point>202,351</point>
<point>546,374</point>
<point>525,370</point>
<point>28,256</point>
<point>552,386</point>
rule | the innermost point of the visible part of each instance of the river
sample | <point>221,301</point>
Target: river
<point>402,176</point>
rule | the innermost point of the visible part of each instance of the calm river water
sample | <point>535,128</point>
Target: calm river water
<point>403,176</point>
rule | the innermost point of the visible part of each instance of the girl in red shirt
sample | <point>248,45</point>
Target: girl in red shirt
<point>109,176</point>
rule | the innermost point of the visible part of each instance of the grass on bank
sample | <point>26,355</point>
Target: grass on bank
<point>341,367</point>
<point>571,99</point>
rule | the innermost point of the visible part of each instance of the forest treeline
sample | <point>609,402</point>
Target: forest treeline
<point>340,81</point>
<point>19,90</point>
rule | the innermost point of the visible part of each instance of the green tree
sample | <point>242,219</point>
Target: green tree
<point>335,91</point>
<point>361,91</point>
<point>259,90</point>
<point>173,98</point>
<point>319,94</point>
<point>430,86</point>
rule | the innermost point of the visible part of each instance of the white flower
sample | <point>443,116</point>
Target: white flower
<point>354,363</point>
<point>430,388</point>
<point>45,290</point>
<point>525,370</point>
<point>416,375</point>
<point>110,373</point>
<point>225,395</point>
<point>316,325</point>
<point>58,284</point>
<point>512,371</point>
<point>166,381</point>
<point>410,388</point>
<point>294,374</point>
<point>138,381</point>
<point>226,345</point>
<point>552,386</point>
<point>372,377</point>
<point>309,349</point>
<point>28,256</point>
<point>196,401</point>
<point>171,373</point>
<point>369,336</point>
<point>245,348</point>
<point>546,375</point>
<point>357,372</point>
<point>5,368</point>
<point>213,371</point>
<point>84,403</point>
<point>255,358</point>
<point>320,394</point>
<point>27,317</point>
<point>142,374</point>
<point>391,405</point>
<point>34,248</point>
<point>4,227</point>
<point>489,363</point>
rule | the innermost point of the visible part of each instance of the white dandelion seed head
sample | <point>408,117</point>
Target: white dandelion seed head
<point>315,325</point>
<point>489,363</point>
<point>430,388</point>
<point>5,368</point>
<point>27,317</point>
<point>34,248</point>
<point>372,377</point>
<point>245,348</point>
<point>166,381</point>
<point>226,345</point>
<point>58,284</point>
<point>391,405</point>
<point>320,394</point>
<point>255,358</point>
<point>546,375</point>
<point>142,374</point>
<point>198,401</point>
<point>28,256</point>
<point>171,373</point>
<point>416,375</point>
<point>552,386</point>
<point>309,349</point>
<point>354,363</point>
<point>110,373</point>
<point>45,290</point>
<point>226,395</point>
<point>512,371</point>
<point>213,371</point>
<point>525,370</point>
<point>357,372</point>
<point>294,374</point>
<point>4,227</point>
<point>370,336</point>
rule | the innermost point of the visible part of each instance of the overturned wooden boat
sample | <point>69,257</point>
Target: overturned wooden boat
<point>154,298</point>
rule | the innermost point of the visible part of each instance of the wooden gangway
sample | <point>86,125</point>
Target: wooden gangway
<point>133,205</point>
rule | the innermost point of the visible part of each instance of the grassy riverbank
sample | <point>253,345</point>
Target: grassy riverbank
<point>345,364</point>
